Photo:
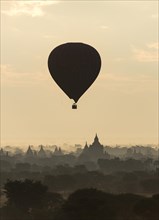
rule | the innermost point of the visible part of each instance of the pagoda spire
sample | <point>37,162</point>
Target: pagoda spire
<point>96,138</point>
<point>41,152</point>
<point>86,145</point>
<point>29,152</point>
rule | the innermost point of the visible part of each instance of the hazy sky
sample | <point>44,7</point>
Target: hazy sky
<point>121,106</point>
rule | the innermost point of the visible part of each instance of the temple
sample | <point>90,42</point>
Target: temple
<point>29,152</point>
<point>94,151</point>
<point>41,152</point>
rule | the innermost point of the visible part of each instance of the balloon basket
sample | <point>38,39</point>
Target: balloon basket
<point>74,106</point>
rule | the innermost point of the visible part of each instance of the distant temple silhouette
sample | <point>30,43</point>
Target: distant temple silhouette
<point>31,154</point>
<point>89,153</point>
<point>94,151</point>
<point>41,152</point>
<point>58,151</point>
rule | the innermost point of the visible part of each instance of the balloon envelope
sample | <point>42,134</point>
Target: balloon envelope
<point>74,67</point>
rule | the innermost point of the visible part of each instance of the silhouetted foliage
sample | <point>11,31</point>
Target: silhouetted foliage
<point>116,164</point>
<point>92,204</point>
<point>29,200</point>
<point>147,208</point>
<point>151,185</point>
<point>88,204</point>
<point>33,192</point>
<point>23,167</point>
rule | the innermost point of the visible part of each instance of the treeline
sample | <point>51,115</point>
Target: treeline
<point>139,182</point>
<point>31,200</point>
<point>116,164</point>
<point>103,165</point>
<point>109,175</point>
<point>120,182</point>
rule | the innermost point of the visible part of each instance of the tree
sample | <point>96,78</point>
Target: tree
<point>147,208</point>
<point>22,167</point>
<point>29,200</point>
<point>25,194</point>
<point>150,185</point>
<point>88,204</point>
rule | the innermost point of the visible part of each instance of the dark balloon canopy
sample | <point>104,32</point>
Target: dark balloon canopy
<point>74,67</point>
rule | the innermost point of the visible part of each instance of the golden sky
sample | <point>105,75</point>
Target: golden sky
<point>121,105</point>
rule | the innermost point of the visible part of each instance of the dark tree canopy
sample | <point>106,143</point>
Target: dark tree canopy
<point>25,194</point>
<point>28,200</point>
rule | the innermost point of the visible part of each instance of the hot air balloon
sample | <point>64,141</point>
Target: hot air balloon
<point>74,67</point>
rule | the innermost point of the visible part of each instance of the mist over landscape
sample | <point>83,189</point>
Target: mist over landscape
<point>92,173</point>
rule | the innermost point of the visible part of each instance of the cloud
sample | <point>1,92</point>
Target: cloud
<point>119,59</point>
<point>47,36</point>
<point>104,27</point>
<point>154,16</point>
<point>13,78</point>
<point>149,54</point>
<point>154,45</point>
<point>114,77</point>
<point>30,8</point>
<point>128,83</point>
<point>145,56</point>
